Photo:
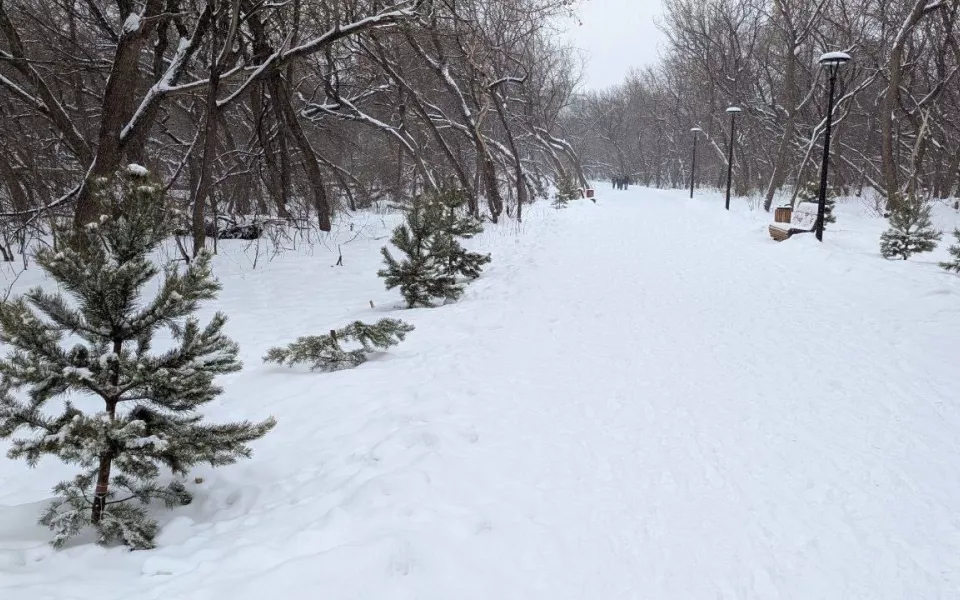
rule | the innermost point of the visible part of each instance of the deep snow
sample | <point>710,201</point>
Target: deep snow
<point>642,398</point>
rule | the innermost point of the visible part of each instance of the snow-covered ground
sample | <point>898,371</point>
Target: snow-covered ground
<point>642,398</point>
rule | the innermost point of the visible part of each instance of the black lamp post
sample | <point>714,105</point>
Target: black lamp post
<point>733,111</point>
<point>832,61</point>
<point>693,165</point>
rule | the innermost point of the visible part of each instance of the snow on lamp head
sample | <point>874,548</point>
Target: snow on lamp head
<point>834,59</point>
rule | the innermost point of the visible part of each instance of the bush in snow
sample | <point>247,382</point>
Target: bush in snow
<point>95,341</point>
<point>911,231</point>
<point>954,264</point>
<point>434,262</point>
<point>567,190</point>
<point>325,352</point>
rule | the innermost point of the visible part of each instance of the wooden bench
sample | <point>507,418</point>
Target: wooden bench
<point>788,222</point>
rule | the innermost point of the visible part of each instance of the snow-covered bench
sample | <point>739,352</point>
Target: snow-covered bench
<point>800,219</point>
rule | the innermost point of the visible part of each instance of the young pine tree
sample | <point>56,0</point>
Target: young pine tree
<point>434,258</point>
<point>810,192</point>
<point>458,224</point>
<point>567,190</point>
<point>954,263</point>
<point>94,343</point>
<point>421,274</point>
<point>326,352</point>
<point>911,231</point>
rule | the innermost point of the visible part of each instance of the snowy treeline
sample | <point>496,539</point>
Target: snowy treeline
<point>897,119</point>
<point>292,109</point>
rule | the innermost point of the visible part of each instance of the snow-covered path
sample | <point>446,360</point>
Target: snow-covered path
<point>645,398</point>
<point>685,414</point>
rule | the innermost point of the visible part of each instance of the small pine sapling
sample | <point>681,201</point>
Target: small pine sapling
<point>458,224</point>
<point>810,192</point>
<point>540,186</point>
<point>95,341</point>
<point>911,231</point>
<point>954,263</point>
<point>326,353</point>
<point>434,258</point>
<point>567,190</point>
<point>420,274</point>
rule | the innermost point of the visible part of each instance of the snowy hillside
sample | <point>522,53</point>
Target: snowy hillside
<point>641,398</point>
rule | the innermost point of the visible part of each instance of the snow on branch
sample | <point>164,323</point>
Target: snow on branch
<point>132,24</point>
<point>178,64</point>
<point>22,93</point>
<point>508,79</point>
<point>407,9</point>
<point>257,72</point>
<point>314,110</point>
<point>385,17</point>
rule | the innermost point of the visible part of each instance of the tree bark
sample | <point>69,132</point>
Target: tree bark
<point>102,489</point>
<point>891,101</point>
<point>117,108</point>
<point>950,175</point>
<point>202,191</point>
<point>780,165</point>
<point>310,163</point>
<point>518,171</point>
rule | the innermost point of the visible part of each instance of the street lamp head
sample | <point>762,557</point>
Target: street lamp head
<point>734,110</point>
<point>834,59</point>
<point>695,130</point>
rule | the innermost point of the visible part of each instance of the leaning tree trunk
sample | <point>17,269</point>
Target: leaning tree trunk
<point>310,163</point>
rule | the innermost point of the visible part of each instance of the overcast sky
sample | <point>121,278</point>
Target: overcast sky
<point>616,35</point>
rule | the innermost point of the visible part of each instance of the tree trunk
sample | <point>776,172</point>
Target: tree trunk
<point>890,179</point>
<point>891,101</point>
<point>950,175</point>
<point>277,177</point>
<point>517,164</point>
<point>202,191</point>
<point>18,197</point>
<point>780,165</point>
<point>102,489</point>
<point>310,163</point>
<point>116,110</point>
